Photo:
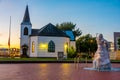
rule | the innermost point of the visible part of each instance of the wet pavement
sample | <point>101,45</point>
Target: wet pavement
<point>54,71</point>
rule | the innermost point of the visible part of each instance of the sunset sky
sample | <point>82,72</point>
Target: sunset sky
<point>91,16</point>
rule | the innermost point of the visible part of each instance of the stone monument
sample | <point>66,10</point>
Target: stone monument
<point>101,59</point>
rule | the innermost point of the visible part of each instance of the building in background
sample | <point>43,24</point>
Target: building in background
<point>15,52</point>
<point>111,46</point>
<point>116,37</point>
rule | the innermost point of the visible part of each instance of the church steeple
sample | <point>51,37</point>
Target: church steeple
<point>25,32</point>
<point>26,18</point>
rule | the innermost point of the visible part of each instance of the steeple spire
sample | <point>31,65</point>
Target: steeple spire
<point>26,18</point>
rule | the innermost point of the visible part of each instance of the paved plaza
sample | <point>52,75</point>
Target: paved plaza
<point>54,71</point>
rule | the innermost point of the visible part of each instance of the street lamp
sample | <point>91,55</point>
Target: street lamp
<point>90,41</point>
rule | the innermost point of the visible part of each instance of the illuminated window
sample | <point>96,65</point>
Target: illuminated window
<point>65,46</point>
<point>51,46</point>
<point>43,46</point>
<point>25,31</point>
<point>33,47</point>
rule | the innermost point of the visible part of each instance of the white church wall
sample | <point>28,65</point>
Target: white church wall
<point>35,40</point>
<point>25,38</point>
<point>23,26</point>
<point>73,44</point>
<point>59,46</point>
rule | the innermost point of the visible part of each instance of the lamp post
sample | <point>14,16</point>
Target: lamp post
<point>90,42</point>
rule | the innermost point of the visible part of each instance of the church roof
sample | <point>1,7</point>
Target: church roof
<point>35,32</point>
<point>48,30</point>
<point>26,19</point>
<point>70,34</point>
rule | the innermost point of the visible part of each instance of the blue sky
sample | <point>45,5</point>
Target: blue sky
<point>91,16</point>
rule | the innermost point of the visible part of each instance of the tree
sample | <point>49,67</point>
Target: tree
<point>86,44</point>
<point>69,26</point>
<point>119,43</point>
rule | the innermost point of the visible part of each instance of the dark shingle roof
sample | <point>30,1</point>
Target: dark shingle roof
<point>48,30</point>
<point>35,32</point>
<point>26,18</point>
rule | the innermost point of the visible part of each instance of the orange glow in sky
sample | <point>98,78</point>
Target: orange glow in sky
<point>90,16</point>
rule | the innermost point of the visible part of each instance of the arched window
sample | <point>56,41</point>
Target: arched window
<point>25,31</point>
<point>33,47</point>
<point>51,46</point>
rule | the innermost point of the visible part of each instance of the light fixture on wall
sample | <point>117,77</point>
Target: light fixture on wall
<point>65,46</point>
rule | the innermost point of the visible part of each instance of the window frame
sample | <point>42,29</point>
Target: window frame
<point>25,31</point>
<point>33,46</point>
<point>51,46</point>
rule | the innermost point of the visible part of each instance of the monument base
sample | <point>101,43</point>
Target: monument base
<point>112,69</point>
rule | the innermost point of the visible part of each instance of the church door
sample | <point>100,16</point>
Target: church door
<point>24,51</point>
<point>60,55</point>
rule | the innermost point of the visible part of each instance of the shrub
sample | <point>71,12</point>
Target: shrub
<point>71,52</point>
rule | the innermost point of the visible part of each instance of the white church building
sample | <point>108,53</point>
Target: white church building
<point>49,41</point>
